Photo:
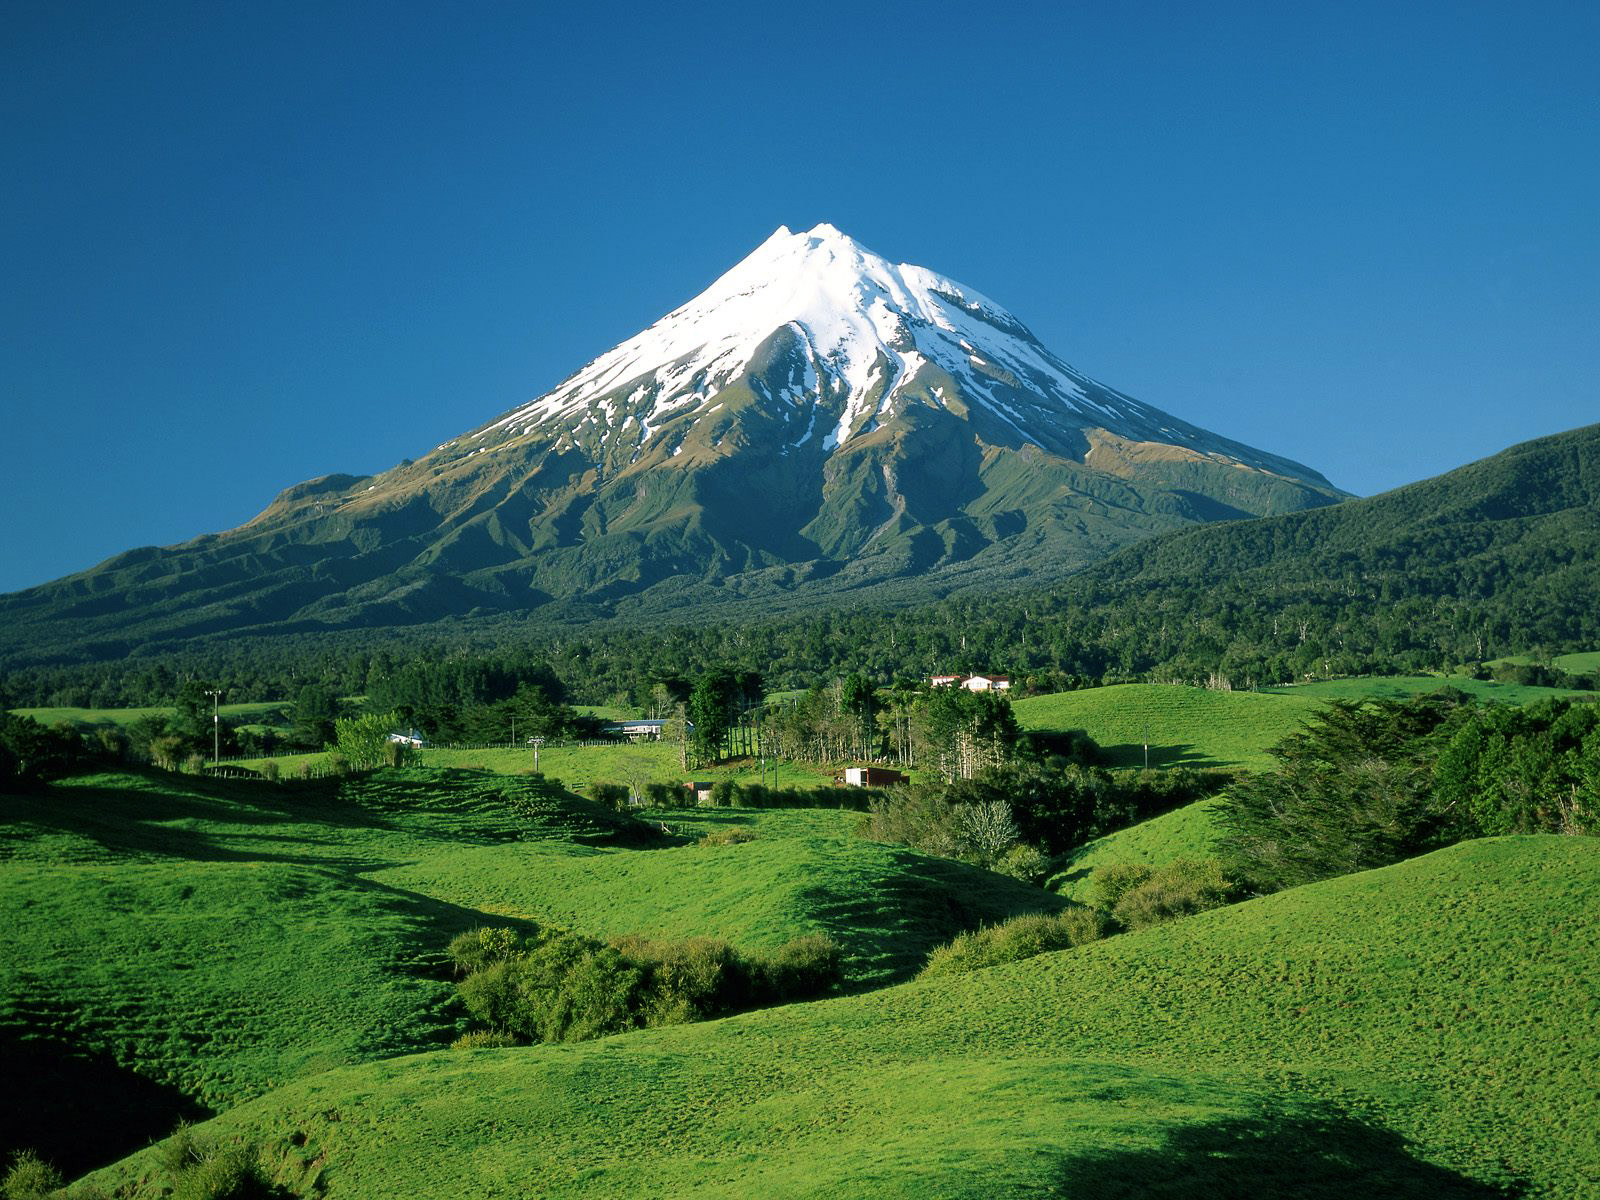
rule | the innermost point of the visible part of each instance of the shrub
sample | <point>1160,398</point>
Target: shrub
<point>660,795</point>
<point>724,794</point>
<point>478,948</point>
<point>29,1178</point>
<point>689,980</point>
<point>1179,889</point>
<point>201,1170</point>
<point>341,766</point>
<point>1112,882</point>
<point>1027,863</point>
<point>1014,940</point>
<point>270,771</point>
<point>736,835</point>
<point>230,1173</point>
<point>802,968</point>
<point>610,795</point>
<point>364,741</point>
<point>194,764</point>
<point>483,1039</point>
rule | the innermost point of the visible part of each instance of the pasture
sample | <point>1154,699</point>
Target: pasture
<point>1422,1030</point>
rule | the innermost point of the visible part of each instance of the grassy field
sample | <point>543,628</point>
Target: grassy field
<point>1428,1029</point>
<point>1187,832</point>
<point>1186,726</point>
<point>178,944</point>
<point>1583,663</point>
<point>1399,687</point>
<point>1196,727</point>
<point>122,717</point>
<point>580,766</point>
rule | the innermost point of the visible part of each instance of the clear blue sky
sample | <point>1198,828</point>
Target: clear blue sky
<point>242,245</point>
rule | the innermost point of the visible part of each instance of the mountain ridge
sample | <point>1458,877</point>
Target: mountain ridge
<point>817,421</point>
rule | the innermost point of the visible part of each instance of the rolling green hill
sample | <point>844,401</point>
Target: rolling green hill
<point>1184,726</point>
<point>178,944</point>
<point>1427,1029</point>
<point>1187,832</point>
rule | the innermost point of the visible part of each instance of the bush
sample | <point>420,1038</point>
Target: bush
<point>610,795</point>
<point>201,1170</point>
<point>725,794</point>
<point>801,968</point>
<point>483,1039</point>
<point>1014,940</point>
<point>560,986</point>
<point>270,771</point>
<point>1027,863</point>
<point>29,1178</point>
<point>480,947</point>
<point>661,795</point>
<point>736,835</point>
<point>1112,882</point>
<point>1179,889</point>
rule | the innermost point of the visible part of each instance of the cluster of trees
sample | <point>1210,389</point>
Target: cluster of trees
<point>553,985</point>
<point>1017,816</point>
<point>1366,784</point>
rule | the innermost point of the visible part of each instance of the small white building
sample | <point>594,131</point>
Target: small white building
<point>973,683</point>
<point>409,738</point>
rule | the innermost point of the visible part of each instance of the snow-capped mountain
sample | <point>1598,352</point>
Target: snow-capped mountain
<point>835,340</point>
<point>817,420</point>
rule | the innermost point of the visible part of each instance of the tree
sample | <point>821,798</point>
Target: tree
<point>364,741</point>
<point>311,721</point>
<point>713,707</point>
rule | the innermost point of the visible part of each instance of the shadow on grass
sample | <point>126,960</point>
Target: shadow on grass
<point>145,813</point>
<point>1178,754</point>
<point>79,1109</point>
<point>1271,1156</point>
<point>889,925</point>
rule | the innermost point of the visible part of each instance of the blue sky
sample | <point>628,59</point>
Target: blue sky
<point>245,245</point>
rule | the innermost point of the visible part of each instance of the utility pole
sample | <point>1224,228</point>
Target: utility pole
<point>537,742</point>
<point>216,727</point>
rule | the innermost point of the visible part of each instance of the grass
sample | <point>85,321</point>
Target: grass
<point>1398,687</point>
<point>1186,726</point>
<point>1428,1029</point>
<point>1582,663</point>
<point>1187,832</point>
<point>1196,727</point>
<point>123,717</point>
<point>178,944</point>
<point>580,766</point>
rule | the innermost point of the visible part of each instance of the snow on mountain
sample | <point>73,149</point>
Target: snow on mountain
<point>875,336</point>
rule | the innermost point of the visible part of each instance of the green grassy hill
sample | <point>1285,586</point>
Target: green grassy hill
<point>178,944</point>
<point>1428,1029</point>
<point>1187,832</point>
<point>1198,727</point>
<point>1185,726</point>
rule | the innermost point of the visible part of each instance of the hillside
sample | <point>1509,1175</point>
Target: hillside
<point>1425,1029</point>
<point>1187,832</point>
<point>176,945</point>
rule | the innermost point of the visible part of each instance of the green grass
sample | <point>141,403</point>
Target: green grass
<point>1428,1029</point>
<point>1186,726</point>
<point>580,766</point>
<point>1187,832</point>
<point>1398,687</point>
<point>1584,662</point>
<point>1196,727</point>
<point>177,943</point>
<point>123,717</point>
